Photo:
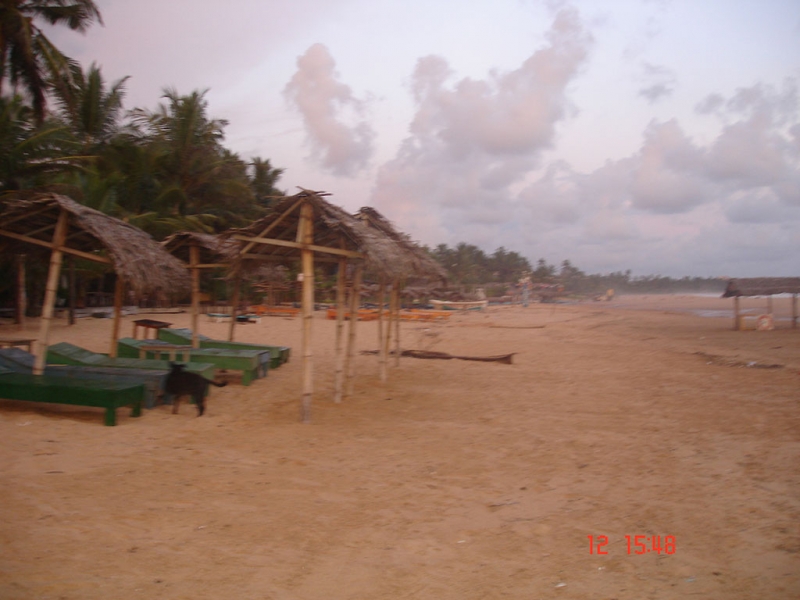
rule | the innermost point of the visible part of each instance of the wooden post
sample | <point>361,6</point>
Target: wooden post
<point>306,235</point>
<point>355,301</point>
<point>194,260</point>
<point>383,344</point>
<point>22,295</point>
<point>396,298</point>
<point>341,283</point>
<point>794,311</point>
<point>51,288</point>
<point>234,301</point>
<point>736,322</point>
<point>769,305</point>
<point>72,291</point>
<point>119,291</point>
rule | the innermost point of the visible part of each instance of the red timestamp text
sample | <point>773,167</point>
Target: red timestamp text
<point>636,544</point>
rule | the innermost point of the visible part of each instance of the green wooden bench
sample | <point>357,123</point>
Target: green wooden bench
<point>251,363</point>
<point>107,393</point>
<point>65,353</point>
<point>278,354</point>
<point>154,380</point>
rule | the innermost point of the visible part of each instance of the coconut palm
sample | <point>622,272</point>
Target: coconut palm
<point>27,57</point>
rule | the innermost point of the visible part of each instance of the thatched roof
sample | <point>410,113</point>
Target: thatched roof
<point>422,265</point>
<point>214,249</point>
<point>135,256</point>
<point>334,229</point>
<point>762,286</point>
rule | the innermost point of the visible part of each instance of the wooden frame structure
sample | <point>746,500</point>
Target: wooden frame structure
<point>62,226</point>
<point>307,228</point>
<point>762,286</point>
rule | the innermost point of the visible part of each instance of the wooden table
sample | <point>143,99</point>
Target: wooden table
<point>11,342</point>
<point>147,325</point>
<point>171,350</point>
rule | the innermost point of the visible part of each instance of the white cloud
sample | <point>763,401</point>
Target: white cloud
<point>340,143</point>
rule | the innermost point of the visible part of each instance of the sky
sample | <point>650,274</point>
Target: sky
<point>660,136</point>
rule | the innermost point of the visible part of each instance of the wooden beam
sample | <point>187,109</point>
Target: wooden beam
<point>298,246</point>
<point>272,225</point>
<point>50,245</point>
<point>306,234</point>
<point>355,302</point>
<point>119,291</point>
<point>194,259</point>
<point>341,285</point>
<point>50,290</point>
<point>22,296</point>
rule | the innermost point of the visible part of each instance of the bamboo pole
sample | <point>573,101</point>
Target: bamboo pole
<point>794,311</point>
<point>22,296</point>
<point>396,298</point>
<point>307,258</point>
<point>341,284</point>
<point>355,300</point>
<point>72,291</point>
<point>51,288</point>
<point>194,260</point>
<point>119,291</point>
<point>736,322</point>
<point>234,302</point>
<point>383,340</point>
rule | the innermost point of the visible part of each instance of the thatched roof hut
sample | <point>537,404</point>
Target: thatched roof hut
<point>336,233</point>
<point>762,286</point>
<point>421,265</point>
<point>135,256</point>
<point>307,227</point>
<point>214,250</point>
<point>65,227</point>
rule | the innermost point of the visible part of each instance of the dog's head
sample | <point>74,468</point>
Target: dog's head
<point>177,367</point>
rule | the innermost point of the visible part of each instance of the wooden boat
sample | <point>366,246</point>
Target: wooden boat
<point>453,305</point>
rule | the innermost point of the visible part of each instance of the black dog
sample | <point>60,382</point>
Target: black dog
<point>182,383</point>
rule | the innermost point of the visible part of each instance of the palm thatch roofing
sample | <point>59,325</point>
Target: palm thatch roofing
<point>762,286</point>
<point>421,264</point>
<point>215,251</point>
<point>135,256</point>
<point>336,234</point>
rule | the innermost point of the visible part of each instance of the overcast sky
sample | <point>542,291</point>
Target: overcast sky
<point>660,136</point>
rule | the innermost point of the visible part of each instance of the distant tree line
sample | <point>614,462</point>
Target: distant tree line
<point>468,266</point>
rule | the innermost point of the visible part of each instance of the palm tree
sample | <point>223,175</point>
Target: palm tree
<point>29,154</point>
<point>91,110</point>
<point>263,180</point>
<point>26,55</point>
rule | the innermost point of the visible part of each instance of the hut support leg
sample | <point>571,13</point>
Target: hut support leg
<point>50,291</point>
<point>72,291</point>
<point>355,297</point>
<point>119,290</point>
<point>383,340</point>
<point>194,260</point>
<point>396,304</point>
<point>22,298</point>
<point>340,309</point>
<point>307,259</point>
<point>234,305</point>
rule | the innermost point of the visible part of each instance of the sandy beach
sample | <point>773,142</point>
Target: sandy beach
<point>453,480</point>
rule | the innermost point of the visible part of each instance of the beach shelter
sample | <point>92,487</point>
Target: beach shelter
<point>308,228</point>
<point>418,264</point>
<point>200,251</point>
<point>762,286</point>
<point>61,226</point>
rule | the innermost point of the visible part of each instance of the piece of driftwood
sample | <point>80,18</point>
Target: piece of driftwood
<point>505,359</point>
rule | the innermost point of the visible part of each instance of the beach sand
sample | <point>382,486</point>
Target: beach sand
<point>453,480</point>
